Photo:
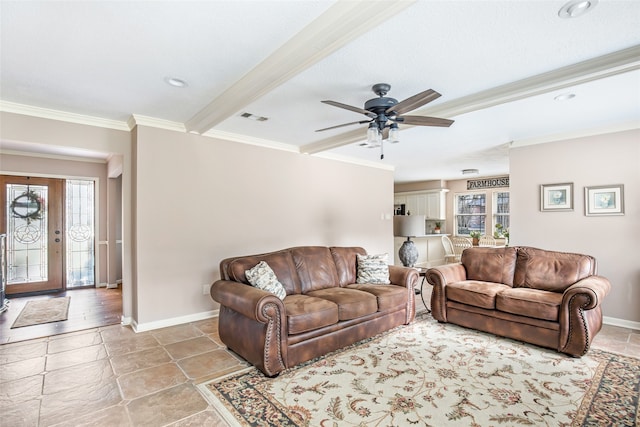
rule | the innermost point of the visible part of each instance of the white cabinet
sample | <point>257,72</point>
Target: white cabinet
<point>431,204</point>
<point>436,205</point>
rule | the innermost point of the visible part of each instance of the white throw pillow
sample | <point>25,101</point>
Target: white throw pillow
<point>373,269</point>
<point>262,277</point>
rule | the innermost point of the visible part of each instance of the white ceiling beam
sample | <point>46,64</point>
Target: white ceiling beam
<point>343,22</point>
<point>604,66</point>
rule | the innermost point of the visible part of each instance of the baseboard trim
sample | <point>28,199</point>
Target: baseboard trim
<point>174,321</point>
<point>612,321</point>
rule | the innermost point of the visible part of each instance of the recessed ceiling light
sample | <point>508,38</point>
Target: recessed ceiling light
<point>576,8</point>
<point>176,82</point>
<point>565,97</point>
<point>470,171</point>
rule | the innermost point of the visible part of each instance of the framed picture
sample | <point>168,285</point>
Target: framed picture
<point>556,197</point>
<point>604,200</point>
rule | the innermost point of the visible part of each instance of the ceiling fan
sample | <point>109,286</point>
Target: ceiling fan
<point>385,113</point>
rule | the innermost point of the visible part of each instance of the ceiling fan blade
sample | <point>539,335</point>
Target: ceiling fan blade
<point>350,108</point>
<point>414,102</point>
<point>345,124</point>
<point>426,121</point>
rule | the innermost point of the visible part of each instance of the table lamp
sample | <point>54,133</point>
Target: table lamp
<point>408,226</point>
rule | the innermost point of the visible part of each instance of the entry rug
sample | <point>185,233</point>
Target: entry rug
<point>431,374</point>
<point>40,311</point>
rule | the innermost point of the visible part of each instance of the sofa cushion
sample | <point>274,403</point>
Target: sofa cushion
<point>373,269</point>
<point>530,302</point>
<point>306,313</point>
<point>352,303</point>
<point>345,260</point>
<point>495,265</point>
<point>475,293</point>
<point>262,277</point>
<point>280,262</point>
<point>389,296</point>
<point>550,270</point>
<point>315,268</point>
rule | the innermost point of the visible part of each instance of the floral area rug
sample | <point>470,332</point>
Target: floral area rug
<point>431,374</point>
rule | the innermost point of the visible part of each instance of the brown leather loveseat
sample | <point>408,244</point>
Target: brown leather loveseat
<point>551,299</point>
<point>324,308</point>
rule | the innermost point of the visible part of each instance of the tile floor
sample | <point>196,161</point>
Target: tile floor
<point>111,376</point>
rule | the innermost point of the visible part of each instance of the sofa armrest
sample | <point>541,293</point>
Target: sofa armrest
<point>406,277</point>
<point>439,277</point>
<point>246,300</point>
<point>403,276</point>
<point>581,314</point>
<point>252,324</point>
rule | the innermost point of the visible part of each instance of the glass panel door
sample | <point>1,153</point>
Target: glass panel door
<point>80,220</point>
<point>32,221</point>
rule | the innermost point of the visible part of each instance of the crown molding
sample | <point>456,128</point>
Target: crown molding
<point>602,130</point>
<point>354,161</point>
<point>63,116</point>
<point>612,64</point>
<point>52,156</point>
<point>244,139</point>
<point>137,119</point>
<point>341,23</point>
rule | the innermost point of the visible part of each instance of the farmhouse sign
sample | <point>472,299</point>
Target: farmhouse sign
<point>478,184</point>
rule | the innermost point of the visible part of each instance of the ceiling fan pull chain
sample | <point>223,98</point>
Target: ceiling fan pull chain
<point>382,150</point>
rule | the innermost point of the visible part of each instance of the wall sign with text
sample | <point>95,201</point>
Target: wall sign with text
<point>479,184</point>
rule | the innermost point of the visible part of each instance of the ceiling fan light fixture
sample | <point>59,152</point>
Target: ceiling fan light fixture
<point>372,134</point>
<point>394,133</point>
<point>576,8</point>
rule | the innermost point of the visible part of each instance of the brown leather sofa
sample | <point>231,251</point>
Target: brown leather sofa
<point>324,309</point>
<point>551,299</point>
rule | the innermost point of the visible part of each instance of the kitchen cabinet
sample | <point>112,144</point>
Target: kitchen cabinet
<point>431,204</point>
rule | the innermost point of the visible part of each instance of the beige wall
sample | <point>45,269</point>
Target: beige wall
<point>197,200</point>
<point>189,201</point>
<point>613,240</point>
<point>200,200</point>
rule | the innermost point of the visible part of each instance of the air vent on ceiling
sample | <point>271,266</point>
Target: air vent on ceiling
<point>254,117</point>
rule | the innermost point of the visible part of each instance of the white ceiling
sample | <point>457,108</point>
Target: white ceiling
<point>497,64</point>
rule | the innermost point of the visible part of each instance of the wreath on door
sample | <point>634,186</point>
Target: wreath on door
<point>27,206</point>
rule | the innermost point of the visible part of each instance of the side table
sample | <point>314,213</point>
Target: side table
<point>422,272</point>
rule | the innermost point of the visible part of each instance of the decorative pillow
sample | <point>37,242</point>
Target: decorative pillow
<point>262,277</point>
<point>373,269</point>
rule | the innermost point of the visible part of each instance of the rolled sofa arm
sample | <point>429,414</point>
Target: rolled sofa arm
<point>439,277</point>
<point>255,324</point>
<point>406,277</point>
<point>244,299</point>
<point>403,276</point>
<point>581,314</point>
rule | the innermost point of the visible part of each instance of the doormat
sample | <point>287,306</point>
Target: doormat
<point>41,311</point>
<point>432,374</point>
